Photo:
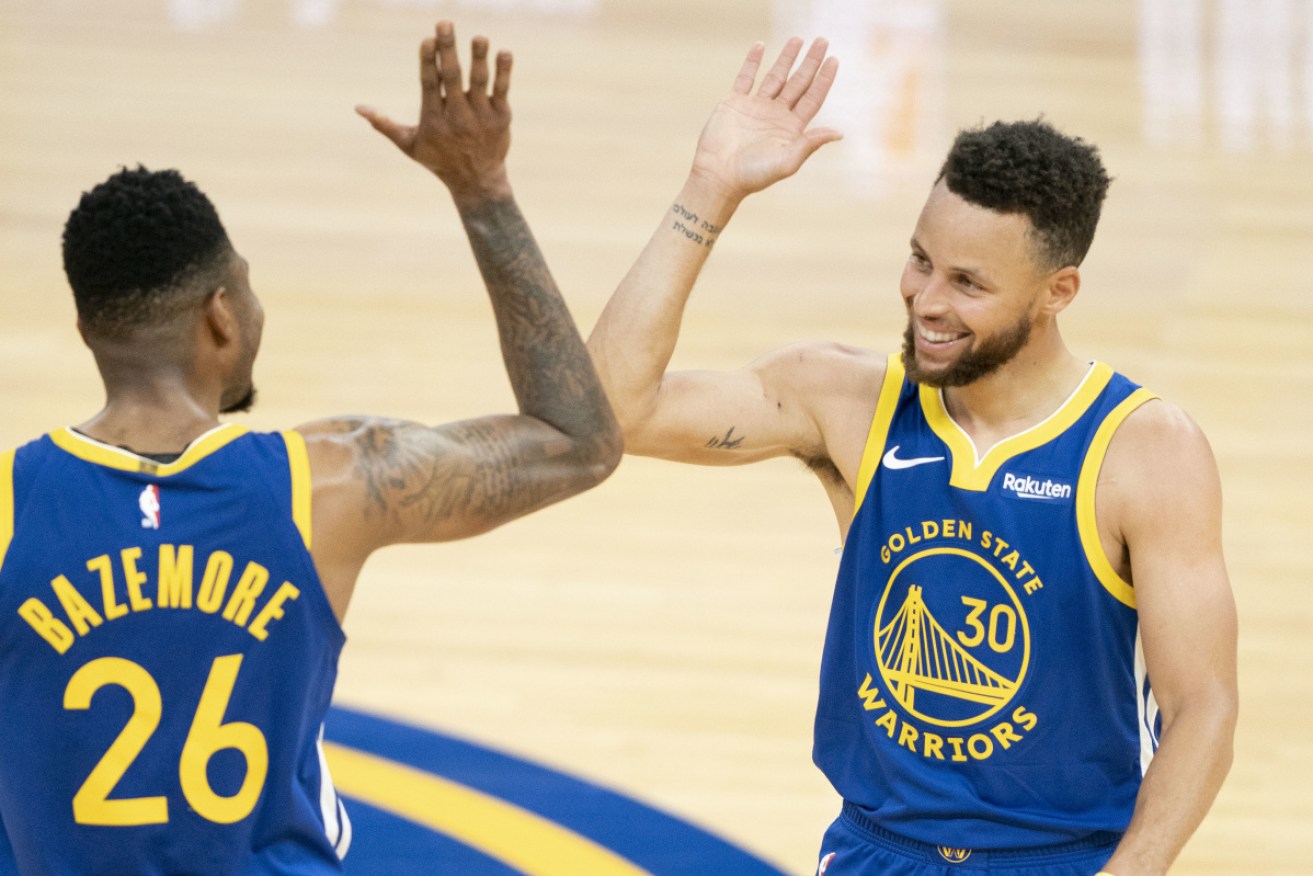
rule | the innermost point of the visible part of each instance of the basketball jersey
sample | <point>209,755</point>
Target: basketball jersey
<point>167,655</point>
<point>983,684</point>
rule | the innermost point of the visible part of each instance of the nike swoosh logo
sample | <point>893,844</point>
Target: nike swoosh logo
<point>891,459</point>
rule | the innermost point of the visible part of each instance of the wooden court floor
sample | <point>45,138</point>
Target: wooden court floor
<point>662,634</point>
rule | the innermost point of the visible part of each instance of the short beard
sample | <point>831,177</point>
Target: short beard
<point>991,354</point>
<point>243,404</point>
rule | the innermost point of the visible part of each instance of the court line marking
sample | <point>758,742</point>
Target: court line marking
<point>501,830</point>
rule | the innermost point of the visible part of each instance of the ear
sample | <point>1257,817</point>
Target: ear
<point>1062,288</point>
<point>218,318</point>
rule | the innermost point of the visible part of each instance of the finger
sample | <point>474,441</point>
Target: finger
<point>449,62</point>
<point>779,71</point>
<point>479,69</point>
<point>748,72</point>
<point>501,84</point>
<point>814,97</point>
<point>401,135</point>
<point>806,72</point>
<point>428,71</point>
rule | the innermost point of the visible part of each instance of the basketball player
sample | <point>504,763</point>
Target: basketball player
<point>173,586</point>
<point>1030,538</point>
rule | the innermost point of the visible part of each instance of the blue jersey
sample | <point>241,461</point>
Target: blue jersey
<point>167,654</point>
<point>983,684</point>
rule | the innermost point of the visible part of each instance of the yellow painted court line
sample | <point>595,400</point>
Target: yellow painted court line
<point>501,830</point>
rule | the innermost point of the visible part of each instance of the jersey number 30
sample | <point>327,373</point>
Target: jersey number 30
<point>208,734</point>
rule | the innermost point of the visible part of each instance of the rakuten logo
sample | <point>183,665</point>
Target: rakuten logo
<point>1027,487</point>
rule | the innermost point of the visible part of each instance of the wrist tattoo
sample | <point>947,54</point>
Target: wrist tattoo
<point>687,223</point>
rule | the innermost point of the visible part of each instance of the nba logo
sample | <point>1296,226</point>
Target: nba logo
<point>149,500</point>
<point>825,864</point>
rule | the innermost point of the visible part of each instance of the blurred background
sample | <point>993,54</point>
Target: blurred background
<point>661,635</point>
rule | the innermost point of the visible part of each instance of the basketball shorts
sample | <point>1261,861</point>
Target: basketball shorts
<point>855,846</point>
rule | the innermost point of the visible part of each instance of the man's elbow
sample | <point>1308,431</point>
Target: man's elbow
<point>1212,712</point>
<point>632,400</point>
<point>593,455</point>
<point>1228,709</point>
<point>607,451</point>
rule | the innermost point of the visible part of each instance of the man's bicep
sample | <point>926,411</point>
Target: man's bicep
<point>763,410</point>
<point>1183,594</point>
<point>407,482</point>
<point>709,418</point>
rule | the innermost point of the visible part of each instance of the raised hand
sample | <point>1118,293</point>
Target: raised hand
<point>462,135</point>
<point>753,140</point>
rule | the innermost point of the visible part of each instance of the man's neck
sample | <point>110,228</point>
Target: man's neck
<point>149,429</point>
<point>1019,395</point>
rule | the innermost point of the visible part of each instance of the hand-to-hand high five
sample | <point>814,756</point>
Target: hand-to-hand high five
<point>1080,763</point>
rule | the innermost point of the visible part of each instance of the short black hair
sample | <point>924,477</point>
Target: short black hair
<point>1056,181</point>
<point>134,245</point>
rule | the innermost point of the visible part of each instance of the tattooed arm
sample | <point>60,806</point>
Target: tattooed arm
<point>752,140</point>
<point>379,481</point>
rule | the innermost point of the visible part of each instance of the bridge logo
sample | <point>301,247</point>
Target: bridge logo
<point>951,637</point>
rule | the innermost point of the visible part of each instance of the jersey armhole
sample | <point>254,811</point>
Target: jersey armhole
<point>1086,487</point>
<point>6,503</point>
<point>299,463</point>
<point>890,390</point>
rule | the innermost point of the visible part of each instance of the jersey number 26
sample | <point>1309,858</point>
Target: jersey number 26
<point>208,735</point>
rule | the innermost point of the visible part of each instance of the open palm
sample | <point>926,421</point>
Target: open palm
<point>753,140</point>
<point>462,135</point>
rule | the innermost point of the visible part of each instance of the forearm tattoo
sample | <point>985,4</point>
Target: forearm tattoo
<point>423,482</point>
<point>476,470</point>
<point>548,364</point>
<point>686,222</point>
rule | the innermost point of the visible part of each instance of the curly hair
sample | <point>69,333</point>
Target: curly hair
<point>136,245</point>
<point>1056,181</point>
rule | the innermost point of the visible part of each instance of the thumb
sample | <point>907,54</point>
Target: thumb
<point>816,138</point>
<point>401,135</point>
<point>802,148</point>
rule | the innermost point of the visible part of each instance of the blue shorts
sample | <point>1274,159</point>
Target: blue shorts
<point>854,846</point>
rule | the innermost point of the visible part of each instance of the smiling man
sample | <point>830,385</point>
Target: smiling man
<point>1029,667</point>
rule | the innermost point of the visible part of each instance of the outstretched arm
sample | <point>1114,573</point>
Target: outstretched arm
<point>752,140</point>
<point>1170,509</point>
<point>463,138</point>
<point>382,481</point>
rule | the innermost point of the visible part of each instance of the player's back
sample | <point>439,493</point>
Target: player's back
<point>167,655</point>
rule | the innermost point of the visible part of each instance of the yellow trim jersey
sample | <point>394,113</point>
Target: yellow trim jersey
<point>983,684</point>
<point>167,654</point>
